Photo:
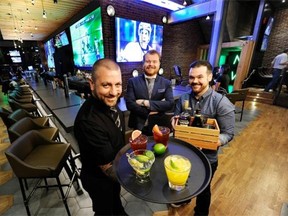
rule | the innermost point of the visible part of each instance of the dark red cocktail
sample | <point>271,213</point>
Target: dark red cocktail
<point>138,143</point>
<point>162,137</point>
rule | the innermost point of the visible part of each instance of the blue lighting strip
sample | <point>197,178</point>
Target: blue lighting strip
<point>193,11</point>
<point>165,4</point>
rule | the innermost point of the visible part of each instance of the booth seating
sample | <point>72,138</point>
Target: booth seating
<point>33,156</point>
<point>21,113</point>
<point>27,124</point>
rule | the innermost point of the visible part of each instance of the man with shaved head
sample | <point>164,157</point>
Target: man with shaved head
<point>99,130</point>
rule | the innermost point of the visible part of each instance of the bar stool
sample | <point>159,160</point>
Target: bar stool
<point>21,113</point>
<point>27,124</point>
<point>33,156</point>
<point>4,113</point>
<point>20,99</point>
<point>29,107</point>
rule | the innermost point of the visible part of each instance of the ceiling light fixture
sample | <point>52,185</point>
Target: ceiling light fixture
<point>32,2</point>
<point>44,12</point>
<point>36,28</point>
<point>208,17</point>
<point>283,1</point>
<point>27,11</point>
<point>185,3</point>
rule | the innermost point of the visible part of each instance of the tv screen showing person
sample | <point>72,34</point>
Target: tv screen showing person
<point>135,38</point>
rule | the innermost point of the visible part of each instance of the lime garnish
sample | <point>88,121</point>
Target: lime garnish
<point>173,164</point>
<point>149,154</point>
<point>142,158</point>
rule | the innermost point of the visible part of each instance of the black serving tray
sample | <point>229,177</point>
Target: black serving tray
<point>157,190</point>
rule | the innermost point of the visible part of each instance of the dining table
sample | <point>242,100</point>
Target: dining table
<point>157,189</point>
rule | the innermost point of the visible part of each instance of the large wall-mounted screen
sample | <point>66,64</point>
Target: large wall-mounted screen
<point>49,52</point>
<point>87,40</point>
<point>14,53</point>
<point>135,38</point>
<point>61,39</point>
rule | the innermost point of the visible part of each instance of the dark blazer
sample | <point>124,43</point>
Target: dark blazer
<point>161,99</point>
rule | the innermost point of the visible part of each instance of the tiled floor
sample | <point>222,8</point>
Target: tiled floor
<point>49,203</point>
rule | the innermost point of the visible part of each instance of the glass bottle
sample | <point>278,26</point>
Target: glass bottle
<point>185,117</point>
<point>197,121</point>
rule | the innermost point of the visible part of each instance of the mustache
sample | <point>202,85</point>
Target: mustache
<point>194,84</point>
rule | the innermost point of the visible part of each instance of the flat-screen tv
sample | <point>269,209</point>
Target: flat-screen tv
<point>135,38</point>
<point>14,53</point>
<point>87,40</point>
<point>61,39</point>
<point>265,37</point>
<point>30,68</point>
<point>16,59</point>
<point>49,52</point>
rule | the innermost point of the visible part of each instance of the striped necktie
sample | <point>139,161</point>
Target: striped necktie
<point>116,117</point>
<point>150,85</point>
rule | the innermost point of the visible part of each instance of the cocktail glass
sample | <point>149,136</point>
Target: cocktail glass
<point>141,161</point>
<point>139,143</point>
<point>177,168</point>
<point>163,137</point>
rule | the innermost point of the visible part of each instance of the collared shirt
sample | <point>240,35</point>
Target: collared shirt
<point>212,105</point>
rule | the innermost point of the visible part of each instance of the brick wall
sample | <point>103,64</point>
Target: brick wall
<point>180,41</point>
<point>278,40</point>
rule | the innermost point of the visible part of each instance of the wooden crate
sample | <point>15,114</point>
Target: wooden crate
<point>200,137</point>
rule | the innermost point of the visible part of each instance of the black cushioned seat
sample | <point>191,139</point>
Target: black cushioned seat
<point>21,113</point>
<point>29,107</point>
<point>27,124</point>
<point>34,156</point>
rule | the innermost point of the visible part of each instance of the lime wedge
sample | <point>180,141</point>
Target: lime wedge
<point>142,158</point>
<point>135,163</point>
<point>149,154</point>
<point>173,164</point>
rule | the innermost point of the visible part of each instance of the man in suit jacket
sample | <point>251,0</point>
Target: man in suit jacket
<point>148,95</point>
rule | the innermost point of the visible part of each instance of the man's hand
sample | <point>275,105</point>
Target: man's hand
<point>108,171</point>
<point>143,102</point>
<point>174,120</point>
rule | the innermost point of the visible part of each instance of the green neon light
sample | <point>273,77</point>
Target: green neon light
<point>233,76</point>
<point>236,60</point>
